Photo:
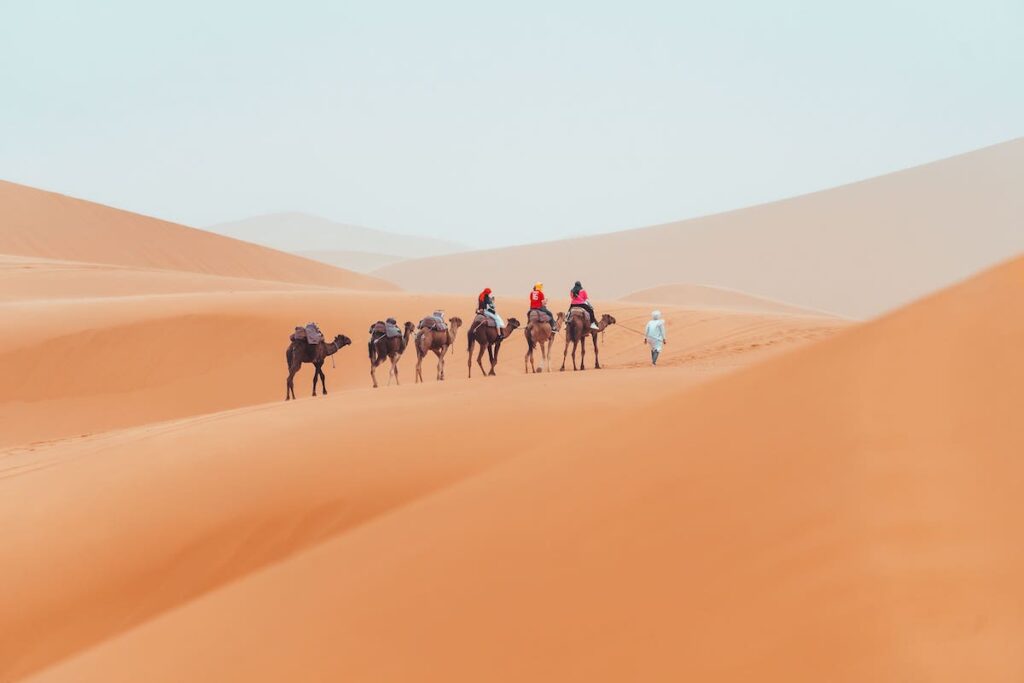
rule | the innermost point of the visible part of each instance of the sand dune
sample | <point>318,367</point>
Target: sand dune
<point>302,232</point>
<point>359,261</point>
<point>26,278</point>
<point>844,512</point>
<point>855,250</point>
<point>716,298</point>
<point>52,226</point>
<point>76,365</point>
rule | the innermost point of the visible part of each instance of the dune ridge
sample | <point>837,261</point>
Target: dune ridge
<point>855,250</point>
<point>53,226</point>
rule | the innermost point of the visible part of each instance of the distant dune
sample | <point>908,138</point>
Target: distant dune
<point>358,261</point>
<point>304,233</point>
<point>848,511</point>
<point>717,298</point>
<point>53,226</point>
<point>856,250</point>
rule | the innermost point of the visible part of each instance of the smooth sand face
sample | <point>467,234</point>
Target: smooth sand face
<point>856,250</point>
<point>787,497</point>
<point>52,226</point>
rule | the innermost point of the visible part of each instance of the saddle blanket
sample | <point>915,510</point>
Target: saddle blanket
<point>432,323</point>
<point>539,316</point>
<point>388,329</point>
<point>482,319</point>
<point>310,334</point>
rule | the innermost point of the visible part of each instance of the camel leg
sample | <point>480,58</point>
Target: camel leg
<point>289,392</point>
<point>469,357</point>
<point>565,353</point>
<point>479,358</point>
<point>497,350</point>
<point>492,355</point>
<point>394,370</point>
<point>597,360</point>
<point>419,368</point>
<point>373,372</point>
<point>323,378</point>
<point>440,363</point>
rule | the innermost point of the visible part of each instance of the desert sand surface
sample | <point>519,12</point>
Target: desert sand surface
<point>846,510</point>
<point>788,496</point>
<point>53,226</point>
<point>715,298</point>
<point>856,250</point>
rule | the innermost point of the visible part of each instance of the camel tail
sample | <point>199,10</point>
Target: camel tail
<point>288,356</point>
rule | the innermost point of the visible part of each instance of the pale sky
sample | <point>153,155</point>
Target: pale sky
<point>493,123</point>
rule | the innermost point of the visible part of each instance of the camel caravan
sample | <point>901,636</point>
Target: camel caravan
<point>388,341</point>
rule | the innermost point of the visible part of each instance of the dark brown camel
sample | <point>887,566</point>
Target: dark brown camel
<point>300,352</point>
<point>577,328</point>
<point>384,348</point>
<point>543,335</point>
<point>489,340</point>
<point>439,343</point>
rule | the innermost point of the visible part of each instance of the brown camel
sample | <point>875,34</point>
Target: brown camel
<point>541,334</point>
<point>300,352</point>
<point>577,328</point>
<point>384,348</point>
<point>439,343</point>
<point>489,340</point>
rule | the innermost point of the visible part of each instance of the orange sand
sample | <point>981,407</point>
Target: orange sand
<point>788,497</point>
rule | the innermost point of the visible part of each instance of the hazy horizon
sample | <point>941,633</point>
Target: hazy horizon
<point>493,126</point>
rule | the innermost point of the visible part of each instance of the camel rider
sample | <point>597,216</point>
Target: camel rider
<point>538,301</point>
<point>485,305</point>
<point>578,297</point>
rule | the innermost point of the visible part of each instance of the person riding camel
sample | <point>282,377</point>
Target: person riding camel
<point>485,305</point>
<point>578,297</point>
<point>538,301</point>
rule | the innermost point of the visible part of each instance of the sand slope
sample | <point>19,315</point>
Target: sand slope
<point>53,226</point>
<point>359,261</point>
<point>855,250</point>
<point>844,512</point>
<point>716,298</point>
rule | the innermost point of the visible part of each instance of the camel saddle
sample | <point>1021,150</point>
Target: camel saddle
<point>388,328</point>
<point>432,323</point>
<point>535,316</point>
<point>580,311</point>
<point>310,334</point>
<point>483,320</point>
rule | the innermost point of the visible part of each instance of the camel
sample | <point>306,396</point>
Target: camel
<point>300,352</point>
<point>543,335</point>
<point>489,340</point>
<point>439,343</point>
<point>384,348</point>
<point>576,329</point>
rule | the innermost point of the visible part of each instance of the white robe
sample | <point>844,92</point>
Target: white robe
<point>655,334</point>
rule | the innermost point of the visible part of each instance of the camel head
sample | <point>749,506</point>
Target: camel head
<point>342,341</point>
<point>512,324</point>
<point>455,322</point>
<point>607,319</point>
<point>409,327</point>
